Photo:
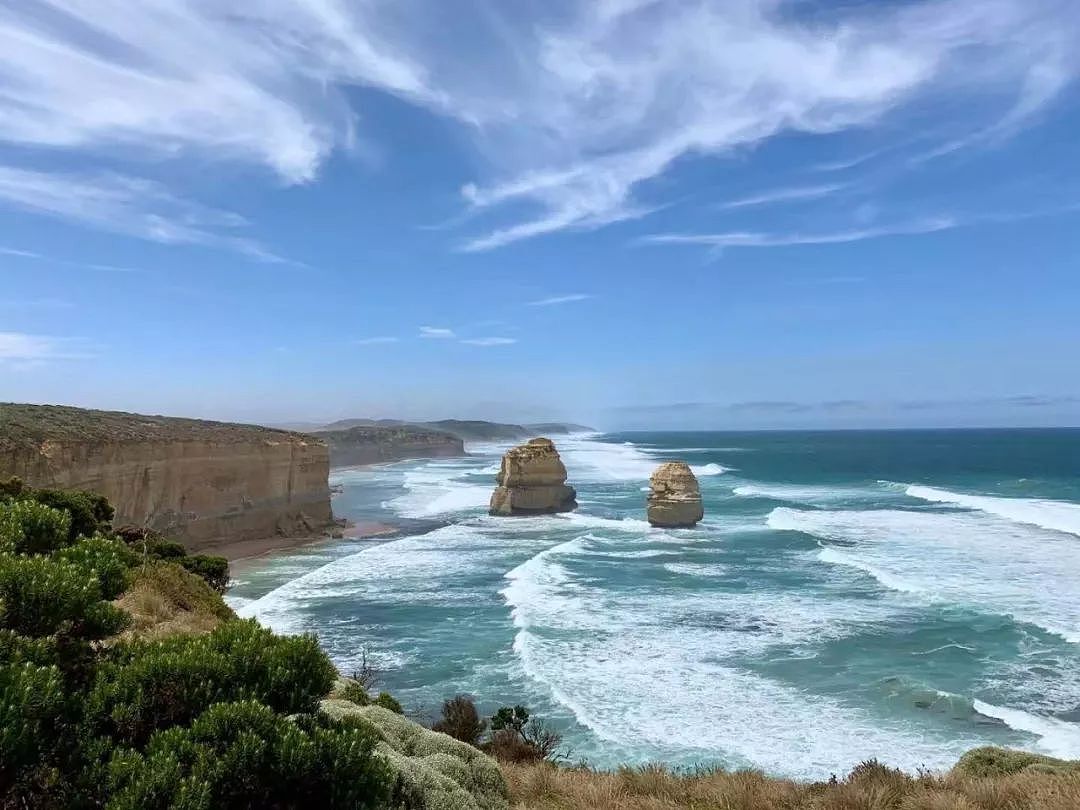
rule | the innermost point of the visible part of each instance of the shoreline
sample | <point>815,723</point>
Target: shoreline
<point>238,551</point>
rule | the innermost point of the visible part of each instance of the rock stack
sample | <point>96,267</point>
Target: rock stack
<point>674,498</point>
<point>532,481</point>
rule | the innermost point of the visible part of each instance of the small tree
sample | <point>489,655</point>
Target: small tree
<point>461,720</point>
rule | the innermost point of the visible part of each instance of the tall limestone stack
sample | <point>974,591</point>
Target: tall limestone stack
<point>532,481</point>
<point>674,497</point>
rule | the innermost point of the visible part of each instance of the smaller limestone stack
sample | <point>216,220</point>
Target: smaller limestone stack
<point>674,498</point>
<point>532,481</point>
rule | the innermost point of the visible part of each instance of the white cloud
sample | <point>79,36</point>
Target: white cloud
<point>18,347</point>
<point>436,332</point>
<point>559,299</point>
<point>373,341</point>
<point>766,240</point>
<point>22,254</point>
<point>573,106</point>
<point>780,195</point>
<point>490,341</point>
<point>127,205</point>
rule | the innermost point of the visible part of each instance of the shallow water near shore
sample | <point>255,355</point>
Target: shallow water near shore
<point>905,594</point>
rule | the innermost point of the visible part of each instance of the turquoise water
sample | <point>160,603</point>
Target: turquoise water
<point>905,595</point>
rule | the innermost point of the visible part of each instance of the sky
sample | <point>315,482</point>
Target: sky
<point>630,213</point>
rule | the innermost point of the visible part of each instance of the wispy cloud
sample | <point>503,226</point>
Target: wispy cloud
<point>373,341</point>
<point>489,341</point>
<point>767,240</point>
<point>22,348</point>
<point>559,299</point>
<point>786,195</point>
<point>127,205</point>
<point>571,111</point>
<point>22,254</point>
<point>437,333</point>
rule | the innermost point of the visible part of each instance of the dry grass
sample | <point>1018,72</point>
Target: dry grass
<point>164,600</point>
<point>546,787</point>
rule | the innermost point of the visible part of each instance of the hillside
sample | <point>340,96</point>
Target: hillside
<point>29,425</point>
<point>468,430</point>
<point>374,444</point>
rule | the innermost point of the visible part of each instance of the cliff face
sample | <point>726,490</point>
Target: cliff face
<point>201,482</point>
<point>375,444</point>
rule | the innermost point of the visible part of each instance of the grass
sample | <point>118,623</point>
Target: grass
<point>164,599</point>
<point>869,787</point>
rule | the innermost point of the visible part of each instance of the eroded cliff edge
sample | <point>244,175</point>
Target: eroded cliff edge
<point>205,483</point>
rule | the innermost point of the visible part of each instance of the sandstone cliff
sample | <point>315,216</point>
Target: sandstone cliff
<point>674,496</point>
<point>201,482</point>
<point>531,481</point>
<point>378,444</point>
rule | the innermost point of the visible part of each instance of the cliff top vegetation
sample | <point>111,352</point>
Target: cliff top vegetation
<point>30,425</point>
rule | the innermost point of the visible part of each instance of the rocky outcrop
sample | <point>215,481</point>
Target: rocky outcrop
<point>375,444</point>
<point>204,483</point>
<point>532,481</point>
<point>674,497</point>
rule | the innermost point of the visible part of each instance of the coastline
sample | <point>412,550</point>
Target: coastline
<point>243,550</point>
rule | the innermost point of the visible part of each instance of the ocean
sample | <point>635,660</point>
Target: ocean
<point>905,595</point>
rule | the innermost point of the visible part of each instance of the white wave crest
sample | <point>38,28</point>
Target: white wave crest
<point>698,569</point>
<point>1055,737</point>
<point>963,558</point>
<point>1059,516</point>
<point>709,469</point>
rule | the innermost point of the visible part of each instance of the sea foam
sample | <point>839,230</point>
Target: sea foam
<point>964,558</point>
<point>1059,516</point>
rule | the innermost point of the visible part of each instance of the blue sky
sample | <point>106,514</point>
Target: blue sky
<point>740,213</point>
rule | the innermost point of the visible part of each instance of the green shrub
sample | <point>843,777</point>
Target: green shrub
<point>149,686</point>
<point>90,513</point>
<point>990,761</point>
<point>389,702</point>
<point>40,596</point>
<point>109,558</point>
<point>32,706</point>
<point>513,718</point>
<point>352,690</point>
<point>460,720</point>
<point>29,527</point>
<point>214,570</point>
<point>242,755</point>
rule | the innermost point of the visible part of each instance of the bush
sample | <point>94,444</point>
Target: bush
<point>213,570</point>
<point>32,706</point>
<point>242,755</point>
<point>40,596</point>
<point>460,720</point>
<point>28,527</point>
<point>150,686</point>
<point>513,718</point>
<point>388,702</point>
<point>107,557</point>
<point>990,761</point>
<point>90,513</point>
<point>435,772</point>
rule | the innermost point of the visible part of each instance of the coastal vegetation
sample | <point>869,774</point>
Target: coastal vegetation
<point>126,682</point>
